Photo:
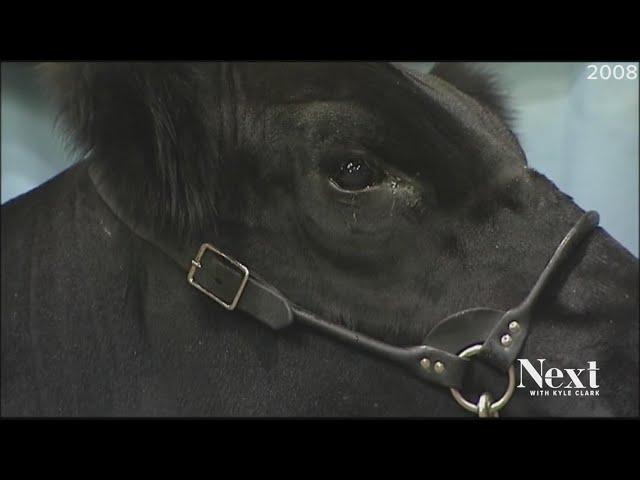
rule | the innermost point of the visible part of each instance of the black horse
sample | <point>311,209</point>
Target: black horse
<point>381,199</point>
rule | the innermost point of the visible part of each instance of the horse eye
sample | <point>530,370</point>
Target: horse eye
<point>355,174</point>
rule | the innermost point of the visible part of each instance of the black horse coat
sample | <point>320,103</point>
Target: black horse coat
<point>97,321</point>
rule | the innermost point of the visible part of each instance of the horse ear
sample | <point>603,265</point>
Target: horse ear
<point>151,122</point>
<point>478,83</point>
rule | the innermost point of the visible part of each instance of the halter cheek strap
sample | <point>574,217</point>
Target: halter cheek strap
<point>232,285</point>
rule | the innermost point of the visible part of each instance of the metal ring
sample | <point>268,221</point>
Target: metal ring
<point>498,404</point>
<point>484,406</point>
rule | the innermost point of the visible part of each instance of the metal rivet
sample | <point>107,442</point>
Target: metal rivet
<point>425,363</point>
<point>439,367</point>
<point>514,327</point>
<point>506,340</point>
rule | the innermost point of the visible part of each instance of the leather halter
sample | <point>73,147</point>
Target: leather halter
<point>493,336</point>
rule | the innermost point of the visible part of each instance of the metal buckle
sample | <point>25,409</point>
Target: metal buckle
<point>195,264</point>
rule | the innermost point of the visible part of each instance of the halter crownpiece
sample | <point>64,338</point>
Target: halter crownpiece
<point>492,336</point>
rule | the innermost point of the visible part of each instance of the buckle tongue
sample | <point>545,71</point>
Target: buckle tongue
<point>196,263</point>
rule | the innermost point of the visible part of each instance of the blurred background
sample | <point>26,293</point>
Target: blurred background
<point>582,134</point>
